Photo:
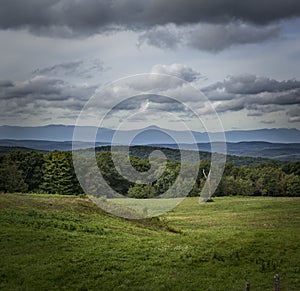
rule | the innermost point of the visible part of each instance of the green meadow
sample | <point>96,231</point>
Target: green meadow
<point>55,242</point>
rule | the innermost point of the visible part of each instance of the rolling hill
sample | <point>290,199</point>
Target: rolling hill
<point>57,242</point>
<point>277,151</point>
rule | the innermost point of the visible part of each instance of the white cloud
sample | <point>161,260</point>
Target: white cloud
<point>178,70</point>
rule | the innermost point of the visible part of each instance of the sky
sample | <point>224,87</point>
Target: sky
<point>238,61</point>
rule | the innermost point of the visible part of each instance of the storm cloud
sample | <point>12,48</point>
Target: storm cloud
<point>44,88</point>
<point>46,96</point>
<point>258,95</point>
<point>252,84</point>
<point>41,97</point>
<point>88,16</point>
<point>55,54</point>
<point>218,37</point>
<point>203,25</point>
<point>208,37</point>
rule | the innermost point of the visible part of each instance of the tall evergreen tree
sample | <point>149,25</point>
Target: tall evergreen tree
<point>59,176</point>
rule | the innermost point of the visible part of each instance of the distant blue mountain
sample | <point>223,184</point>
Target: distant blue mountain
<point>149,135</point>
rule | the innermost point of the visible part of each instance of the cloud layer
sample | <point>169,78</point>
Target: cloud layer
<point>78,68</point>
<point>208,37</point>
<point>86,16</point>
<point>41,97</point>
<point>203,25</point>
<point>258,95</point>
<point>47,97</point>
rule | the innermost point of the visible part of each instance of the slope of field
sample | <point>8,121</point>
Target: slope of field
<point>51,242</point>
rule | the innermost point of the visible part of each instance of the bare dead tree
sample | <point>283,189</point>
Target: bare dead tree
<point>208,181</point>
<point>247,287</point>
<point>276,283</point>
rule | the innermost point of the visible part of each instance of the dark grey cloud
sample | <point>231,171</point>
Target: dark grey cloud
<point>217,95</point>
<point>44,88</point>
<point>92,16</point>
<point>290,97</point>
<point>232,105</point>
<point>218,37</point>
<point>258,110</point>
<point>40,88</point>
<point>251,84</point>
<point>208,37</point>
<point>259,95</point>
<point>41,97</point>
<point>6,83</point>
<point>247,101</point>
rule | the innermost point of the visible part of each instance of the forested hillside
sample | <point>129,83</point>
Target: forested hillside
<point>53,172</point>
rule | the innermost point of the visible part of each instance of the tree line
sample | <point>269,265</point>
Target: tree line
<point>53,173</point>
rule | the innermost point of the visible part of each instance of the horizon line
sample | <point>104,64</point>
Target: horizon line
<point>150,126</point>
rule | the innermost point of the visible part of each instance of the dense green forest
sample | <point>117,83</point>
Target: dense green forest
<point>53,172</point>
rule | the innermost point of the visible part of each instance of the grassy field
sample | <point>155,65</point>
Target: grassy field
<point>50,242</point>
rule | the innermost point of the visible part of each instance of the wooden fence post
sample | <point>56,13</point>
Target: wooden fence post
<point>247,288</point>
<point>276,283</point>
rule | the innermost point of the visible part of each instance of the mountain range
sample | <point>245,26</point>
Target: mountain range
<point>148,135</point>
<point>280,144</point>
